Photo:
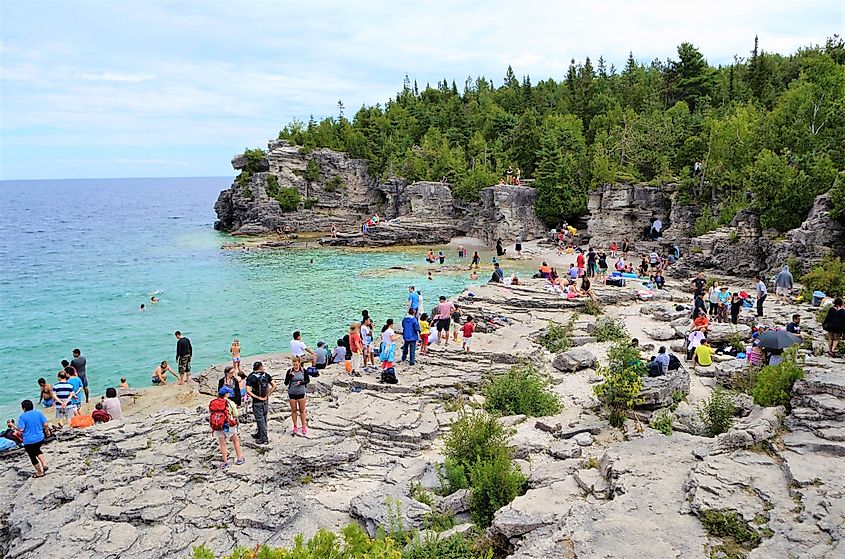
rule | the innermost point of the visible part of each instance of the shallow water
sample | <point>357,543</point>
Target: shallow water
<point>78,257</point>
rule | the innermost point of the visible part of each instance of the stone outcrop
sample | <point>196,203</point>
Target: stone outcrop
<point>619,211</point>
<point>345,195</point>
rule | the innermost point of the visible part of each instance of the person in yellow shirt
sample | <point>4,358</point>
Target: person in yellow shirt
<point>425,330</point>
<point>703,355</point>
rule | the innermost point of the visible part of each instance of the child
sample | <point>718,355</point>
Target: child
<point>47,398</point>
<point>99,415</point>
<point>224,425</point>
<point>123,383</point>
<point>356,347</point>
<point>339,353</point>
<point>244,395</point>
<point>467,331</point>
<point>456,323</point>
<point>425,330</point>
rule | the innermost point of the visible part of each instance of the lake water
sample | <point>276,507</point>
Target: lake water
<point>78,257</point>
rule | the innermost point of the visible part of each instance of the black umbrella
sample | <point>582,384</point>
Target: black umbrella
<point>777,339</point>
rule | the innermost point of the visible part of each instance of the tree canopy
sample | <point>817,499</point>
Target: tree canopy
<point>769,130</point>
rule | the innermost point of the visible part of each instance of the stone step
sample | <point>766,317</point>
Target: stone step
<point>803,442</point>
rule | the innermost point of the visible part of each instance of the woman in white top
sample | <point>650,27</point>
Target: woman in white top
<point>111,403</point>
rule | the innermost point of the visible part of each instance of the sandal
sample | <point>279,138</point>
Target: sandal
<point>37,476</point>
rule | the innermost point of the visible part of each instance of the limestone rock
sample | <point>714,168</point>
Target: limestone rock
<point>376,508</point>
<point>658,391</point>
<point>565,449</point>
<point>574,360</point>
<point>455,503</point>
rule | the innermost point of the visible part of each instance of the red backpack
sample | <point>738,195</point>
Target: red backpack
<point>219,414</point>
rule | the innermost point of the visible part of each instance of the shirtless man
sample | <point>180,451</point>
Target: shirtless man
<point>160,373</point>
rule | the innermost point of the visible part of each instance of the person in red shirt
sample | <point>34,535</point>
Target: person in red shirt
<point>356,346</point>
<point>580,262</point>
<point>467,329</point>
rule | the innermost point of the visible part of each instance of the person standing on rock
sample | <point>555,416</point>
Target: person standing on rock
<point>500,250</point>
<point>259,386</point>
<point>230,380</point>
<point>79,363</point>
<point>410,337</point>
<point>833,324</point>
<point>518,246</point>
<point>356,347</point>
<point>579,261</point>
<point>296,379</point>
<point>224,425</point>
<point>32,424</point>
<point>713,299</point>
<point>626,246</point>
<point>444,317</point>
<point>467,330</point>
<point>698,284</point>
<point>413,300</point>
<point>783,284</point>
<point>184,352</point>
<point>65,408</point>
<point>762,293</point>
<point>736,306</point>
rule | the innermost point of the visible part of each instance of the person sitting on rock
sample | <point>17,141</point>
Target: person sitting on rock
<point>700,322</point>
<point>703,354</point>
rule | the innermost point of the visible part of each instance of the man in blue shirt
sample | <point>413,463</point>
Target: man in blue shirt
<point>410,336</point>
<point>31,425</point>
<point>76,382</point>
<point>413,300</point>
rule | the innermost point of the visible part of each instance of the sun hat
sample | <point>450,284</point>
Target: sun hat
<point>225,390</point>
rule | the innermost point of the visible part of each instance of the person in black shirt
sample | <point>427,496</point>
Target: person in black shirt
<point>259,386</point>
<point>230,380</point>
<point>699,304</point>
<point>698,284</point>
<point>183,357</point>
<point>794,327</point>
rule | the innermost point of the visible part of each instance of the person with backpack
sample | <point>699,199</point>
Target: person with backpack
<point>223,420</point>
<point>296,379</point>
<point>259,386</point>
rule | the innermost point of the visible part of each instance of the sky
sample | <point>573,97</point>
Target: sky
<point>165,89</point>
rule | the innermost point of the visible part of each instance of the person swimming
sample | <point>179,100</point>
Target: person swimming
<point>153,299</point>
<point>143,307</point>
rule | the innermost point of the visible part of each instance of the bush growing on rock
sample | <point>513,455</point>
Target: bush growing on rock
<point>521,390</point>
<point>662,421</point>
<point>334,184</point>
<point>495,483</point>
<point>727,523</point>
<point>773,385</point>
<point>312,171</point>
<point>353,544</point>
<point>828,277</point>
<point>622,384</point>
<point>717,412</point>
<point>452,477</point>
<point>454,547</point>
<point>609,330</point>
<point>556,337</point>
<point>475,436</point>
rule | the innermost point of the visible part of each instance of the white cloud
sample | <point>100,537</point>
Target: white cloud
<point>116,77</point>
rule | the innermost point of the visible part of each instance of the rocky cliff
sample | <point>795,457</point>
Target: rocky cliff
<point>336,190</point>
<point>621,210</point>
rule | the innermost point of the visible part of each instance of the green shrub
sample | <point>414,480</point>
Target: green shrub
<point>736,341</point>
<point>592,308</point>
<point>309,203</point>
<point>246,193</point>
<point>622,354</point>
<point>773,385</point>
<point>312,171</point>
<point>620,391</point>
<point>828,277</point>
<point>335,183</point>
<point>243,179</point>
<point>726,523</point>
<point>556,337</point>
<point>521,390</point>
<point>662,421</point>
<point>609,330</point>
<point>717,412</point>
<point>455,547</point>
<point>452,477</point>
<point>496,481</point>
<point>288,199</point>
<point>475,435</point>
<point>352,544</point>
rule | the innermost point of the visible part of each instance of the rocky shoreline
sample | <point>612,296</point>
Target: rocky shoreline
<point>148,487</point>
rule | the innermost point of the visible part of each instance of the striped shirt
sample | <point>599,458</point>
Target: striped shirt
<point>62,390</point>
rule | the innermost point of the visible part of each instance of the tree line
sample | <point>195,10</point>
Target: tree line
<point>768,129</point>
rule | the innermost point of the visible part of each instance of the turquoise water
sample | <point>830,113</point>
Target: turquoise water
<point>78,257</point>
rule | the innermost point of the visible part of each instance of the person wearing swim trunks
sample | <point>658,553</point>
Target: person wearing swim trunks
<point>184,352</point>
<point>444,314</point>
<point>235,350</point>
<point>47,398</point>
<point>160,373</point>
<point>296,379</point>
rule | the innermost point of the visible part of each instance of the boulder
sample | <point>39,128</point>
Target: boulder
<point>657,391</point>
<point>565,449</point>
<point>377,509</point>
<point>660,332</point>
<point>456,503</point>
<point>574,360</point>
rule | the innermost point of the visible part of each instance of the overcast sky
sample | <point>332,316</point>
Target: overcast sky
<point>143,89</point>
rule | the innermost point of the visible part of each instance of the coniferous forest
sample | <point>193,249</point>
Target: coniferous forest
<point>768,129</point>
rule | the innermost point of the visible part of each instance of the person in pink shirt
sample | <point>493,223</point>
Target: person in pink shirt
<point>444,319</point>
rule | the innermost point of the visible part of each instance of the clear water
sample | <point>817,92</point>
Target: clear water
<point>78,257</point>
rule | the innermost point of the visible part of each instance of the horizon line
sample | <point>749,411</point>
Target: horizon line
<point>120,178</point>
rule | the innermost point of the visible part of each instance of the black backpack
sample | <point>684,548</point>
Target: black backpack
<point>674,362</point>
<point>312,372</point>
<point>388,376</point>
<point>263,381</point>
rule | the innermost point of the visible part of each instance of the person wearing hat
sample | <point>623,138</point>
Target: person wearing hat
<point>259,386</point>
<point>222,408</point>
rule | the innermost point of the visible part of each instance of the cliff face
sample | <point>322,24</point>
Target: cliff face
<point>619,211</point>
<point>344,194</point>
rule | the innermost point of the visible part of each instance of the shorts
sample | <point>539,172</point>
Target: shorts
<point>48,403</point>
<point>443,324</point>
<point>84,378</point>
<point>155,380</point>
<point>782,291</point>
<point>228,432</point>
<point>424,339</point>
<point>386,364</point>
<point>468,341</point>
<point>320,366</point>
<point>33,450</point>
<point>65,413</point>
<point>236,359</point>
<point>518,248</point>
<point>296,396</point>
<point>184,365</point>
